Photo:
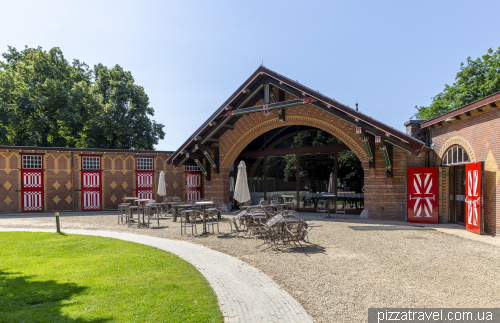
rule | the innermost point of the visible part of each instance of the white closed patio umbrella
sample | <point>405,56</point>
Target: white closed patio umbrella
<point>162,191</point>
<point>331,183</point>
<point>241,191</point>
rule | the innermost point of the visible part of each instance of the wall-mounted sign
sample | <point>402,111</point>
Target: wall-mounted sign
<point>423,195</point>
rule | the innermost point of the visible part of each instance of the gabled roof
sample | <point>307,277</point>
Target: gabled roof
<point>237,100</point>
<point>486,101</point>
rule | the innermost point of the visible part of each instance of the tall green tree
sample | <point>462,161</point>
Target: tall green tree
<point>46,101</point>
<point>122,121</point>
<point>475,80</point>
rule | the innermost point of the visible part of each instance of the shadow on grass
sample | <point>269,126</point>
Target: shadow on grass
<point>22,300</point>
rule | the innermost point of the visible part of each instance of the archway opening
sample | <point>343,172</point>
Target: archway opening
<point>455,158</point>
<point>303,163</point>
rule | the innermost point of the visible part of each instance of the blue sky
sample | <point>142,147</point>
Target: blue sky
<point>191,55</point>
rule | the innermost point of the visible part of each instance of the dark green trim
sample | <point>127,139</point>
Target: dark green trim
<point>210,160</point>
<point>203,170</point>
<point>366,145</point>
<point>385,157</point>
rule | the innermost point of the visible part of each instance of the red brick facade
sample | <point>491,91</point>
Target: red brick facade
<point>62,177</point>
<point>385,197</point>
<point>478,135</point>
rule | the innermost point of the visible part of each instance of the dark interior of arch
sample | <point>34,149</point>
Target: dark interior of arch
<point>273,157</point>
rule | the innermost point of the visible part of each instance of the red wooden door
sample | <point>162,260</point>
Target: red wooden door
<point>91,183</point>
<point>144,178</point>
<point>474,180</point>
<point>423,192</point>
<point>145,185</point>
<point>32,183</point>
<point>91,190</point>
<point>193,185</point>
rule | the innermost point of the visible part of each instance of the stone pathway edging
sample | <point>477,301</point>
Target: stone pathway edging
<point>245,294</point>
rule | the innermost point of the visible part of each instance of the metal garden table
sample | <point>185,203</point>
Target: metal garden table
<point>143,224</point>
<point>329,197</point>
<point>204,206</point>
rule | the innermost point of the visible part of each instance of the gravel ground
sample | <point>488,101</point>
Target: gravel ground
<point>343,272</point>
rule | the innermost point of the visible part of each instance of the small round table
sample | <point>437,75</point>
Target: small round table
<point>204,206</point>
<point>132,199</point>
<point>143,224</point>
<point>329,197</point>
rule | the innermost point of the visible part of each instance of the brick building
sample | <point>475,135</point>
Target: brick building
<point>34,179</point>
<point>465,135</point>
<point>256,123</point>
<point>290,138</point>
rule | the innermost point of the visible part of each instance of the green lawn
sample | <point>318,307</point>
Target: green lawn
<point>49,277</point>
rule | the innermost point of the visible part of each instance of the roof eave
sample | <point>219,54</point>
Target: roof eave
<point>314,94</point>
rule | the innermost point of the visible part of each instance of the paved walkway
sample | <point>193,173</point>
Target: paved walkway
<point>244,293</point>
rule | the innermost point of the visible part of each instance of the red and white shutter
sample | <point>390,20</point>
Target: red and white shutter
<point>474,180</point>
<point>145,177</point>
<point>423,195</point>
<point>193,183</point>
<point>91,183</point>
<point>32,183</point>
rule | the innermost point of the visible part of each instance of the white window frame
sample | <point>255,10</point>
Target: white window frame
<point>455,155</point>
<point>88,161</point>
<point>32,160</point>
<point>144,164</point>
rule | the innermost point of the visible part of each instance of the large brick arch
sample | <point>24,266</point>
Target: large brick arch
<point>457,140</point>
<point>245,136</point>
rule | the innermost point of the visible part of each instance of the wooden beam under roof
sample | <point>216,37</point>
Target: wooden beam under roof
<point>206,147</point>
<point>195,156</point>
<point>346,117</point>
<point>291,151</point>
<point>224,125</point>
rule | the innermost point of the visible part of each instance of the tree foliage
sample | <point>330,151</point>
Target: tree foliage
<point>475,80</point>
<point>314,167</point>
<point>46,101</point>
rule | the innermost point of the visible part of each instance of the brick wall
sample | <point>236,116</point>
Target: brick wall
<point>478,135</point>
<point>385,198</point>
<point>62,179</point>
<point>58,187</point>
<point>10,181</point>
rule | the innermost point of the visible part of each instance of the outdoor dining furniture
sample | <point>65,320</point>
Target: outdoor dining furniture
<point>190,218</point>
<point>214,214</point>
<point>143,224</point>
<point>290,214</point>
<point>176,208</point>
<point>204,204</point>
<point>277,206</point>
<point>246,205</point>
<point>322,208</point>
<point>329,198</point>
<point>243,218</point>
<point>307,200</point>
<point>152,212</point>
<point>160,209</point>
<point>123,212</point>
<point>288,201</point>
<point>217,207</point>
